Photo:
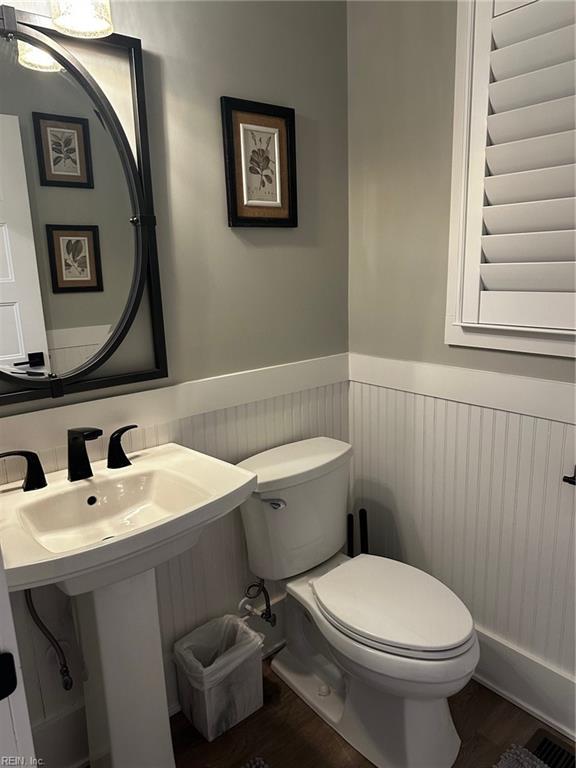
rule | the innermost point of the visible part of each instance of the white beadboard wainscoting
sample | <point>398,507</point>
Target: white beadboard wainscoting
<point>474,495</point>
<point>205,582</point>
<point>68,348</point>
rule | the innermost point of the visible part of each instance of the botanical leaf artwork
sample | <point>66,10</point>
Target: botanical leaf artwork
<point>63,148</point>
<point>261,162</point>
<point>75,258</point>
<point>260,152</point>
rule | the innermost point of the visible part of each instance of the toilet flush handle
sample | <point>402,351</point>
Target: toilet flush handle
<point>276,503</point>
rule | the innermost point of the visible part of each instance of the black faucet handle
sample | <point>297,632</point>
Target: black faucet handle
<point>86,433</point>
<point>78,462</point>
<point>116,456</point>
<point>35,477</point>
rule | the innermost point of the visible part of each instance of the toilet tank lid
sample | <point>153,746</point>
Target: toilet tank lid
<point>297,463</point>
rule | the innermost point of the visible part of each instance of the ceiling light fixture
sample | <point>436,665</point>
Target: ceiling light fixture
<point>82,18</point>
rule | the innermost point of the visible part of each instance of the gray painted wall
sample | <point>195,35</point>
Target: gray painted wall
<point>243,298</point>
<point>401,79</point>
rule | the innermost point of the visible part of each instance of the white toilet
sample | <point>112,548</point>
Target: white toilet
<point>374,646</point>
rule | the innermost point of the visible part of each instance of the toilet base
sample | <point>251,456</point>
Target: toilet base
<point>389,731</point>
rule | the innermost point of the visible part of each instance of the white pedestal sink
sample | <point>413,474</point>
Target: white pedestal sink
<point>99,540</point>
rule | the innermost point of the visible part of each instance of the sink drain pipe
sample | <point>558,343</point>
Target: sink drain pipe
<point>67,681</point>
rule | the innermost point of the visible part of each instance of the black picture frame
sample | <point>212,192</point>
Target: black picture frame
<point>236,213</point>
<point>55,259</point>
<point>38,119</point>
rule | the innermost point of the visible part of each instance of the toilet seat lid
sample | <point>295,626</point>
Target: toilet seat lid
<point>386,602</point>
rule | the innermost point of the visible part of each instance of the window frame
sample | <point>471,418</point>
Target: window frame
<point>457,331</point>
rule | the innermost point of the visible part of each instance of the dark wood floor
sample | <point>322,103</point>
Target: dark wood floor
<point>286,733</point>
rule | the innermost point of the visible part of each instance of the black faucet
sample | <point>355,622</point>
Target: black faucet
<point>116,456</point>
<point>78,462</point>
<point>35,478</point>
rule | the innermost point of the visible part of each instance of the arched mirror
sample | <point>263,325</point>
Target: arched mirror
<point>76,227</point>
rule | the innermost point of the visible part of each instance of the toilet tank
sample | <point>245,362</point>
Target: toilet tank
<point>296,519</point>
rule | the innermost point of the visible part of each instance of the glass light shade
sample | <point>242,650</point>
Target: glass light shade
<point>82,18</point>
<point>35,58</point>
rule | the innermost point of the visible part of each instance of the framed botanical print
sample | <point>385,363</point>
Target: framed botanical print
<point>63,150</point>
<point>260,163</point>
<point>74,253</point>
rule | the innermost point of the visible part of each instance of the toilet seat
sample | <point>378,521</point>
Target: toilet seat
<point>394,650</point>
<point>394,608</point>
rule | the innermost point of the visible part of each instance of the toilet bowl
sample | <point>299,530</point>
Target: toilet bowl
<point>373,645</point>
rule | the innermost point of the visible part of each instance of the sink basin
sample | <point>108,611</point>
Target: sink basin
<point>115,508</point>
<point>90,533</point>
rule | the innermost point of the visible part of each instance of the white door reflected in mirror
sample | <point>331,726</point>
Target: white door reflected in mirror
<point>23,329</point>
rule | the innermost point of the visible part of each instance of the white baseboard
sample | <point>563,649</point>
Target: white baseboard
<point>62,740</point>
<point>542,398</point>
<point>547,693</point>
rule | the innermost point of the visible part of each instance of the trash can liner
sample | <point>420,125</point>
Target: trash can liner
<point>208,654</point>
<point>219,674</point>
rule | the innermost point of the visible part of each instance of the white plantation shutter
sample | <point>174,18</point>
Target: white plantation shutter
<point>520,239</point>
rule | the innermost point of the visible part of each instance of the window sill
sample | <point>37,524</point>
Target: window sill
<point>513,339</point>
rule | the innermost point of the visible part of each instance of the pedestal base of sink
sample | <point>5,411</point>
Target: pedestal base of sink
<point>125,691</point>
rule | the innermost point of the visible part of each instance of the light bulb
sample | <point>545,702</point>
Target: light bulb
<point>82,18</point>
<point>35,58</point>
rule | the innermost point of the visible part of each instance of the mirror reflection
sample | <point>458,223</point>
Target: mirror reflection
<point>66,242</point>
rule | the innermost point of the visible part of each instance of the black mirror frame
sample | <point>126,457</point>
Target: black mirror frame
<point>39,31</point>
